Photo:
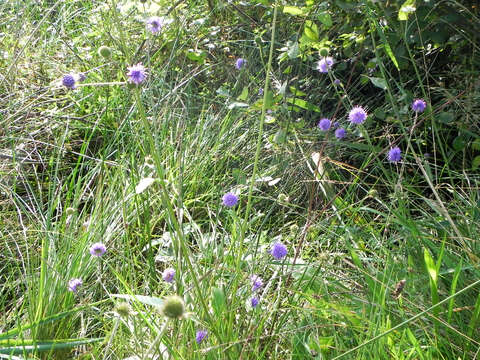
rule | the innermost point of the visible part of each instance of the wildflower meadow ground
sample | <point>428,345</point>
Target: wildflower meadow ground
<point>239,180</point>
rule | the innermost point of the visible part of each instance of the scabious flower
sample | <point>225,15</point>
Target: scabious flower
<point>97,249</point>
<point>395,154</point>
<point>254,301</point>
<point>154,24</point>
<point>336,81</point>
<point>419,105</point>
<point>340,133</point>
<point>168,275</point>
<point>357,115</point>
<point>201,335</point>
<point>240,63</point>
<point>69,81</point>
<point>257,282</point>
<point>279,251</point>
<point>324,124</point>
<point>325,64</point>
<point>137,74</point>
<point>230,199</point>
<point>73,285</point>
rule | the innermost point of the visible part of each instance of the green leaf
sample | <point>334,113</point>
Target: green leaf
<point>446,117</point>
<point>459,143</point>
<point>406,9</point>
<point>325,19</point>
<point>378,82</point>
<point>303,104</point>
<point>29,346</point>
<point>243,96</point>
<point>218,301</point>
<point>237,104</point>
<point>311,30</point>
<point>147,300</point>
<point>476,162</point>
<point>431,267</point>
<point>293,10</point>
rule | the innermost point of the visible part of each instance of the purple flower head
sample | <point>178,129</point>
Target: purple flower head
<point>201,334</point>
<point>336,81</point>
<point>279,251</point>
<point>260,91</point>
<point>73,285</point>
<point>254,301</point>
<point>240,63</point>
<point>395,154</point>
<point>81,77</point>
<point>155,24</point>
<point>97,249</point>
<point>357,115</point>
<point>336,124</point>
<point>230,199</point>
<point>325,64</point>
<point>168,275</point>
<point>257,282</point>
<point>419,105</point>
<point>340,133</point>
<point>137,74</point>
<point>69,81</point>
<point>324,124</point>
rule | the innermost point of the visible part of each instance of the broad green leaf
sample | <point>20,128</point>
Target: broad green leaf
<point>325,19</point>
<point>292,10</point>
<point>303,104</point>
<point>406,9</point>
<point>311,30</point>
<point>476,162</point>
<point>218,301</point>
<point>243,96</point>
<point>379,82</point>
<point>446,117</point>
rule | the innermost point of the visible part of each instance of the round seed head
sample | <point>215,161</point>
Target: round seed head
<point>173,307</point>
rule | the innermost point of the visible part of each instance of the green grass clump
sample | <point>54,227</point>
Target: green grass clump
<point>382,256</point>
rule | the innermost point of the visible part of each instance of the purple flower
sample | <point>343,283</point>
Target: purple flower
<point>395,154</point>
<point>230,199</point>
<point>324,124</point>
<point>136,74</point>
<point>336,82</point>
<point>97,249</point>
<point>357,115</point>
<point>240,63</point>
<point>340,133</point>
<point>278,251</point>
<point>336,124</point>
<point>201,334</point>
<point>155,24</point>
<point>168,275</point>
<point>260,91</point>
<point>325,64</point>
<point>257,282</point>
<point>254,301</point>
<point>73,285</point>
<point>69,81</point>
<point>81,77</point>
<point>419,105</point>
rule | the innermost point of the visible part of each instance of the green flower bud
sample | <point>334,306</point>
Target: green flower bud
<point>123,309</point>
<point>324,52</point>
<point>173,307</point>
<point>105,52</point>
<point>69,211</point>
